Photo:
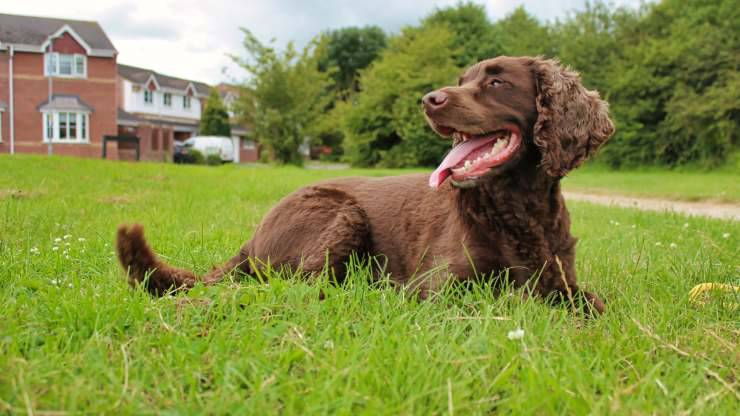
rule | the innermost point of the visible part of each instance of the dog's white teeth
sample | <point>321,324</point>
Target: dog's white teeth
<point>497,148</point>
<point>468,164</point>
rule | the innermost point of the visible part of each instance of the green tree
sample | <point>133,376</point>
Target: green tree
<point>674,88</point>
<point>350,50</point>
<point>471,30</point>
<point>284,95</point>
<point>384,124</point>
<point>592,40</point>
<point>521,34</point>
<point>215,118</point>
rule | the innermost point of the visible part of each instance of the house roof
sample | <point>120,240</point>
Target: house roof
<point>65,103</point>
<point>240,130</point>
<point>32,31</point>
<point>125,117</point>
<point>142,76</point>
<point>224,88</point>
<point>178,124</point>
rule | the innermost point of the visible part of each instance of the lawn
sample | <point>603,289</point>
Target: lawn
<point>76,338</point>
<point>719,185</point>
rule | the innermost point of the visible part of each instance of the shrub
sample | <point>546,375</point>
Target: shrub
<point>197,157</point>
<point>213,160</point>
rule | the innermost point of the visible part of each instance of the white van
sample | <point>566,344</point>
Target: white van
<point>223,147</point>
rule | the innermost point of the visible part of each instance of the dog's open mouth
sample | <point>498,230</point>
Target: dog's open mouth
<point>476,155</point>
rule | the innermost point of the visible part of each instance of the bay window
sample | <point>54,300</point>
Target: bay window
<point>168,99</point>
<point>186,102</point>
<point>148,96</point>
<point>66,127</point>
<point>65,65</point>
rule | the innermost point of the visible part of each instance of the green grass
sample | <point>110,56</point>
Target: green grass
<point>720,185</point>
<point>74,337</point>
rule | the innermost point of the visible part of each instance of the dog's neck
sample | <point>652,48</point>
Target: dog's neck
<point>516,196</point>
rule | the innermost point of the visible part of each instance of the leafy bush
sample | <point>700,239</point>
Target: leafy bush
<point>198,157</point>
<point>384,125</point>
<point>213,160</point>
<point>669,72</point>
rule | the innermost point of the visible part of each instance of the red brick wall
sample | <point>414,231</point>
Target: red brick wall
<point>5,132</point>
<point>248,156</point>
<point>67,44</point>
<point>31,88</point>
<point>155,142</point>
<point>119,92</point>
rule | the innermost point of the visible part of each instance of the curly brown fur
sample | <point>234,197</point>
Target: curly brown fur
<point>513,218</point>
<point>573,122</point>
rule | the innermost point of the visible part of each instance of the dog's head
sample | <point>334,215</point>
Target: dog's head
<point>506,110</point>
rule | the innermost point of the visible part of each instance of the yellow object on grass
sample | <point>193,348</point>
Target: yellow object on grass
<point>700,294</point>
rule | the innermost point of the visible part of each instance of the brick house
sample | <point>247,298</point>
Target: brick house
<point>57,85</point>
<point>158,109</point>
<point>247,146</point>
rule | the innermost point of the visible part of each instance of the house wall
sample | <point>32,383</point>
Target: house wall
<point>155,143</point>
<point>133,102</point>
<point>67,44</point>
<point>31,89</point>
<point>248,155</point>
<point>4,96</point>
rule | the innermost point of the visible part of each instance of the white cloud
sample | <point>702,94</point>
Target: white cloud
<point>191,38</point>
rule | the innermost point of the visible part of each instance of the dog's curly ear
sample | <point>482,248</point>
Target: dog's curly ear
<point>572,122</point>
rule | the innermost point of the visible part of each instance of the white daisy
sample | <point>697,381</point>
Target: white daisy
<point>515,334</point>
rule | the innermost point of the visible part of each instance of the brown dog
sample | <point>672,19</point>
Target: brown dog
<point>519,125</point>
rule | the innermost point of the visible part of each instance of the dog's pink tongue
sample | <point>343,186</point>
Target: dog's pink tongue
<point>456,155</point>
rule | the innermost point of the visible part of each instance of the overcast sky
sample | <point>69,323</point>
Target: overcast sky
<point>190,38</point>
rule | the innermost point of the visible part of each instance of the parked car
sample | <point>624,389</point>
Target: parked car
<point>206,145</point>
<point>183,152</point>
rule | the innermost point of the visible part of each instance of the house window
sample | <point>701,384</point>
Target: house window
<point>168,99</point>
<point>186,102</point>
<point>80,64</point>
<point>65,65</point>
<point>249,144</point>
<point>148,97</point>
<point>66,127</point>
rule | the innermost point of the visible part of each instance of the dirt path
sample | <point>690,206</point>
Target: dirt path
<point>725,211</point>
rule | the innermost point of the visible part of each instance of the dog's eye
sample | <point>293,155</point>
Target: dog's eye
<point>496,83</point>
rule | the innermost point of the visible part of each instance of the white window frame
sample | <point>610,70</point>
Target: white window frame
<point>151,96</point>
<point>249,144</point>
<point>54,59</point>
<point>165,101</point>
<point>82,119</point>
<point>186,104</point>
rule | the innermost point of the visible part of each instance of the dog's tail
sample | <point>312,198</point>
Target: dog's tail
<point>144,268</point>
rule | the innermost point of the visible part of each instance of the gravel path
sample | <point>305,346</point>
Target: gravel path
<point>725,211</point>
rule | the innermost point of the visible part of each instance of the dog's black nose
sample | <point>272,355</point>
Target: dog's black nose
<point>434,100</point>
